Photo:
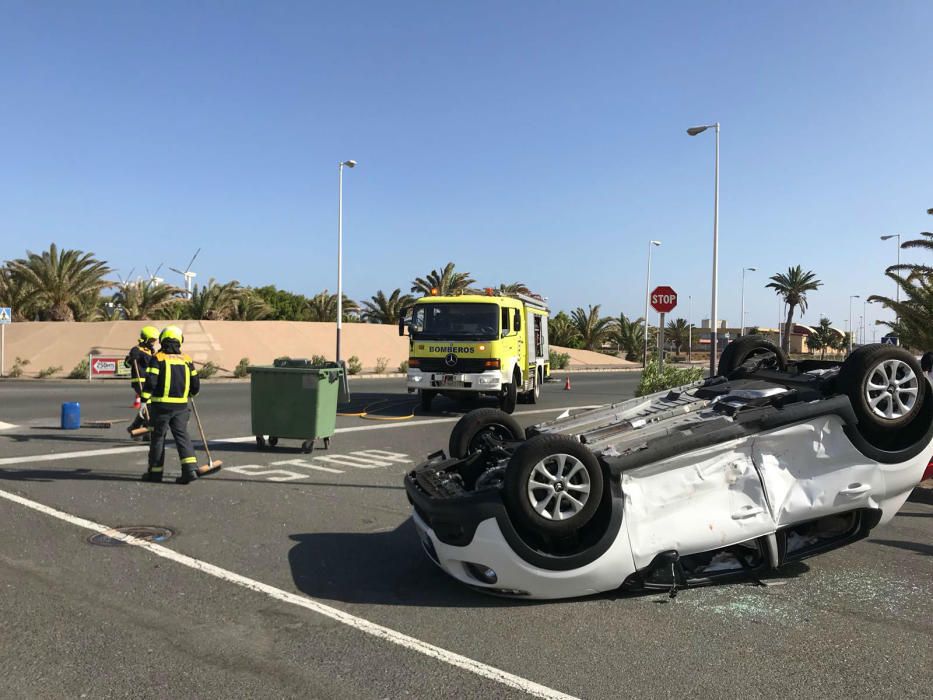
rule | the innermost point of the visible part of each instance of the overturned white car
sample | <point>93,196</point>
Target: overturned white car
<point>768,463</point>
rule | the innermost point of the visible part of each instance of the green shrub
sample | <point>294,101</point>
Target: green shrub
<point>284,358</point>
<point>242,368</point>
<point>17,369</point>
<point>403,367</point>
<point>381,364</point>
<point>654,379</point>
<point>207,370</point>
<point>318,360</point>
<point>354,366</point>
<point>559,360</point>
<point>49,371</point>
<point>80,370</point>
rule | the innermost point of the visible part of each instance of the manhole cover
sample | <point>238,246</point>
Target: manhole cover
<point>140,532</point>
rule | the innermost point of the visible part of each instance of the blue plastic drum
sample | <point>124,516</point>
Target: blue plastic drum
<point>71,415</point>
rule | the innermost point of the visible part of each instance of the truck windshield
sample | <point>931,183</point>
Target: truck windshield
<point>442,321</point>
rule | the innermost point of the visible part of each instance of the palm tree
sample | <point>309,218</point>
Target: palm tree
<point>629,335</point>
<point>250,307</point>
<point>793,285</point>
<point>914,325</point>
<point>16,293</point>
<point>561,332</point>
<point>144,299</point>
<point>389,309</point>
<point>447,281</point>
<point>214,302</point>
<point>914,310</point>
<point>825,337</point>
<point>60,279</point>
<point>323,307</point>
<point>515,288</point>
<point>677,333</point>
<point>592,327</point>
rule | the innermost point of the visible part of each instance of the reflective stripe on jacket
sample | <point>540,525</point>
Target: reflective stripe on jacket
<point>139,358</point>
<point>171,379</point>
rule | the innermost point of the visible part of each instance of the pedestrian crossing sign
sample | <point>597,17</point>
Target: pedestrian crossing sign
<point>6,314</point>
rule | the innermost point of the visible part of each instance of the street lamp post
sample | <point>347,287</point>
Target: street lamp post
<point>693,131</point>
<point>898,290</point>
<point>689,328</point>
<point>851,328</point>
<point>742,319</point>
<point>651,244</point>
<point>349,164</point>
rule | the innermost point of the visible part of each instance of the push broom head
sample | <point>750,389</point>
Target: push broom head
<point>210,468</point>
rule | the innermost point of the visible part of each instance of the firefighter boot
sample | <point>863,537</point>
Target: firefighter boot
<point>188,474</point>
<point>153,475</point>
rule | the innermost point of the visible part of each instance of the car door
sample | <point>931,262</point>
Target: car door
<point>695,502</point>
<point>811,469</point>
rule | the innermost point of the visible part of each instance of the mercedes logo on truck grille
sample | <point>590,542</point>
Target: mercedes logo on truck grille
<point>450,360</point>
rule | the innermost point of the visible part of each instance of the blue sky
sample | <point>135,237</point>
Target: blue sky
<point>533,141</point>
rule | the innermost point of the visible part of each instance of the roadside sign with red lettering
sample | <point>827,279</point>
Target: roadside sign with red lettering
<point>107,366</point>
<point>663,299</point>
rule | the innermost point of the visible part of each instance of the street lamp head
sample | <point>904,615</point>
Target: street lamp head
<point>888,238</point>
<point>694,130</point>
<point>855,296</point>
<point>349,163</point>
<point>656,243</point>
<point>752,269</point>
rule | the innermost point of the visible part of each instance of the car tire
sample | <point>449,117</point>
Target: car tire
<point>534,500</point>
<point>509,396</point>
<point>885,386</point>
<point>427,397</point>
<point>740,350</point>
<point>468,434</point>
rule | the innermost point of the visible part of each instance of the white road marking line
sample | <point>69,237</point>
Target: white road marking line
<point>250,438</point>
<point>352,461</point>
<point>307,465</point>
<point>269,474</point>
<point>358,623</point>
<point>6,426</point>
<point>71,455</point>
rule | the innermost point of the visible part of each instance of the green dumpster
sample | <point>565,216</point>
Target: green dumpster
<point>294,399</point>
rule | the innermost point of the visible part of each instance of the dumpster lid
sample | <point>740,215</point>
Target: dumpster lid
<point>289,363</point>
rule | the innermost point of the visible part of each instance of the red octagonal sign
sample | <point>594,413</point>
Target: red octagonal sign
<point>663,299</point>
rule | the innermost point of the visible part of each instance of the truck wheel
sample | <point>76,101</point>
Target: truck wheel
<point>509,396</point>
<point>885,386</point>
<point>740,350</point>
<point>535,393</point>
<point>553,484</point>
<point>471,431</point>
<point>426,398</point>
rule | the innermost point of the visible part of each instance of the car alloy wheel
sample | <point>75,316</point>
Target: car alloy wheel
<point>558,487</point>
<point>891,389</point>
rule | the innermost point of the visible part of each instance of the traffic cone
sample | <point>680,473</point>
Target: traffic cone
<point>567,384</point>
<point>136,402</point>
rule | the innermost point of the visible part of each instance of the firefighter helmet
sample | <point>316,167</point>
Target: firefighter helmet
<point>171,333</point>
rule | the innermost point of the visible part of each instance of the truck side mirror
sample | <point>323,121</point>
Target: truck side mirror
<point>401,325</point>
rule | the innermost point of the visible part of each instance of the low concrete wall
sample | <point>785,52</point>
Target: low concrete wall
<point>47,344</point>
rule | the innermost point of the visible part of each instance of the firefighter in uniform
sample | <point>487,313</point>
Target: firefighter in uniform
<point>138,362</point>
<point>170,379</point>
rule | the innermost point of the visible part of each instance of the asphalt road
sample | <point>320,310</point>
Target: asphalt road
<point>301,575</point>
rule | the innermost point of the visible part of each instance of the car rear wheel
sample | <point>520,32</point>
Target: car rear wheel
<point>477,428</point>
<point>553,485</point>
<point>743,349</point>
<point>885,386</point>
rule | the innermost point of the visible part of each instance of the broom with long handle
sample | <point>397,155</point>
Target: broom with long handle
<point>212,464</point>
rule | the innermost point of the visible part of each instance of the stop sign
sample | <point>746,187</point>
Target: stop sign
<point>663,299</point>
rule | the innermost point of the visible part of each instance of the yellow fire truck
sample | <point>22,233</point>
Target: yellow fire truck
<point>486,344</point>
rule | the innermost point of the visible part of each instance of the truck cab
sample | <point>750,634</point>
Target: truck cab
<point>486,344</point>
